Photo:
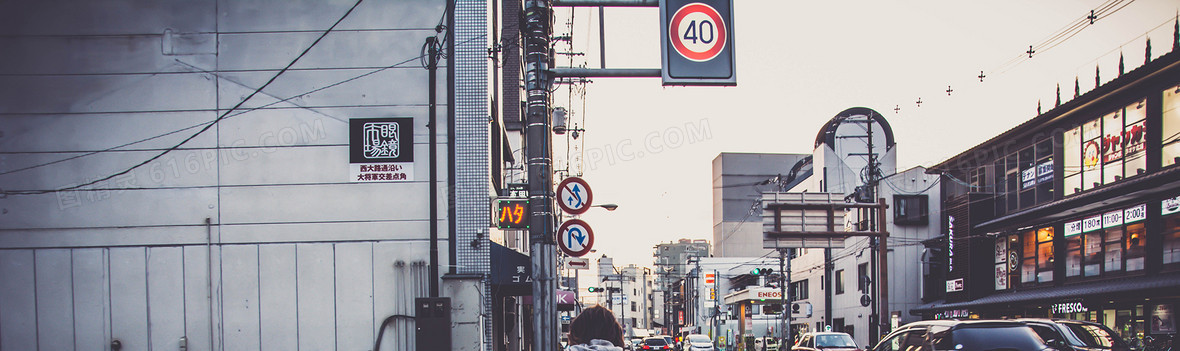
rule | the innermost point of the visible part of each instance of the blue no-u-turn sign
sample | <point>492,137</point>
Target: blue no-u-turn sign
<point>697,42</point>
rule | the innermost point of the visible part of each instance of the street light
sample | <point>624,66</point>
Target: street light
<point>608,207</point>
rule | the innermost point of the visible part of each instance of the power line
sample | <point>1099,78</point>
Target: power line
<point>241,112</point>
<point>207,126</point>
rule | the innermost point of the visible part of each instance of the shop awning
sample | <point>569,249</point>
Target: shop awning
<point>1131,190</point>
<point>1144,284</point>
<point>511,271</point>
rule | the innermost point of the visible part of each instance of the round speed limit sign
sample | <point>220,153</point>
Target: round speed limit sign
<point>698,32</point>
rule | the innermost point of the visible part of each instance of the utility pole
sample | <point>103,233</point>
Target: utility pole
<point>542,247</point>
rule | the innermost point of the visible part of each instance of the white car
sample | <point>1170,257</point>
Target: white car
<point>696,342</point>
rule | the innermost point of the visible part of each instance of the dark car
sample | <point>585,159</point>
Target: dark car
<point>1064,334</point>
<point>656,343</point>
<point>970,335</point>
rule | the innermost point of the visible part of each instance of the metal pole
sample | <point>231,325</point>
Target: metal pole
<point>883,255</point>
<point>784,278</point>
<point>432,68</point>
<point>542,251</point>
<point>601,37</point>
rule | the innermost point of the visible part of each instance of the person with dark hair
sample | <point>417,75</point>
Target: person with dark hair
<point>596,329</point>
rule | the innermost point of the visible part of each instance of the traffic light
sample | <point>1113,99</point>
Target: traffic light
<point>762,271</point>
<point>595,289</point>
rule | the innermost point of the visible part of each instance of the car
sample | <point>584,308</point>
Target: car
<point>696,342</point>
<point>634,344</point>
<point>656,343</point>
<point>771,344</point>
<point>671,341</point>
<point>1064,334</point>
<point>765,344</point>
<point>966,335</point>
<point>826,341</point>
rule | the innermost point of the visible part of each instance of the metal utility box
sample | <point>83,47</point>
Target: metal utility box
<point>433,319</point>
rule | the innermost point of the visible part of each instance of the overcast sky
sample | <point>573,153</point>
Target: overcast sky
<point>801,62</point>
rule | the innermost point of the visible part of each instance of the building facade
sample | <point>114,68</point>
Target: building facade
<point>185,174</point>
<point>738,182</point>
<point>854,156</point>
<point>671,266</point>
<point>1071,214</point>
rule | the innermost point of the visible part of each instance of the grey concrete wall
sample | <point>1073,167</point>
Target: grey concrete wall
<point>293,255</point>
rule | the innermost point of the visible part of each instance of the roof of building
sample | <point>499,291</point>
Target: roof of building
<point>827,134</point>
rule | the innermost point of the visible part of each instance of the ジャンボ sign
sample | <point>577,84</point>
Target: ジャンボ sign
<point>381,149</point>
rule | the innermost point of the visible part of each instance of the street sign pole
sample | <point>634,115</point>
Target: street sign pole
<point>542,248</point>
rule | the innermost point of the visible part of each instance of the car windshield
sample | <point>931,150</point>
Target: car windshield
<point>698,338</point>
<point>655,342</point>
<point>985,338</point>
<point>1094,336</point>
<point>834,341</point>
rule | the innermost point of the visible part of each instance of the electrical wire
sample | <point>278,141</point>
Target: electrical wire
<point>240,112</point>
<point>207,126</point>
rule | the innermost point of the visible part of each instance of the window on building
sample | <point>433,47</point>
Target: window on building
<point>1073,253</point>
<point>1171,257</point>
<point>910,209</point>
<point>1136,238</point>
<point>1109,243</point>
<point>839,283</point>
<point>862,276</point>
<point>634,308</point>
<point>1037,258</point>
<point>1001,185</point>
<point>1171,127</point>
<point>799,289</point>
<point>1106,149</point>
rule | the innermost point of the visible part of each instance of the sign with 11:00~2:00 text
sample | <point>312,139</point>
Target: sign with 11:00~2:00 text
<point>381,149</point>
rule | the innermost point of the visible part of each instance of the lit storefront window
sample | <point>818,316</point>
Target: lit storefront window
<point>1037,258</point>
<point>1171,127</point>
<point>1170,209</point>
<point>1106,243</point>
<point>1107,149</point>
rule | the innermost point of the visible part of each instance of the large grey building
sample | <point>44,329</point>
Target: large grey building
<point>157,196</point>
<point>738,182</point>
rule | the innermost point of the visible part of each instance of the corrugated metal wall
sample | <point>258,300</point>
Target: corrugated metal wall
<point>248,237</point>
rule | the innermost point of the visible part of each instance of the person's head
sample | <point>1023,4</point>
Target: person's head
<point>596,323</point>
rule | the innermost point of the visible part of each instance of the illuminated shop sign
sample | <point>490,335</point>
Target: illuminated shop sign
<point>1068,307</point>
<point>951,314</point>
<point>1112,219</point>
<point>950,246</point>
<point>1106,220</point>
<point>954,285</point>
<point>1092,224</point>
<point>1135,214</point>
<point>1045,172</point>
<point>1028,177</point>
<point>1170,206</point>
<point>1039,174</point>
<point>1073,228</point>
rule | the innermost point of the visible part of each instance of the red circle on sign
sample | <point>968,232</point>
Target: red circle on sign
<point>563,238</point>
<point>583,196</point>
<point>676,36</point>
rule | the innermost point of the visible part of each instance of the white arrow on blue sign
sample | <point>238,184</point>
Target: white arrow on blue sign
<point>574,196</point>
<point>575,238</point>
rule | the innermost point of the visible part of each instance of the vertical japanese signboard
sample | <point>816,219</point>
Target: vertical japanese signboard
<point>697,42</point>
<point>381,149</point>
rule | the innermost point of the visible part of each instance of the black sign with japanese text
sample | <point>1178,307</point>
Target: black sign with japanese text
<point>381,140</point>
